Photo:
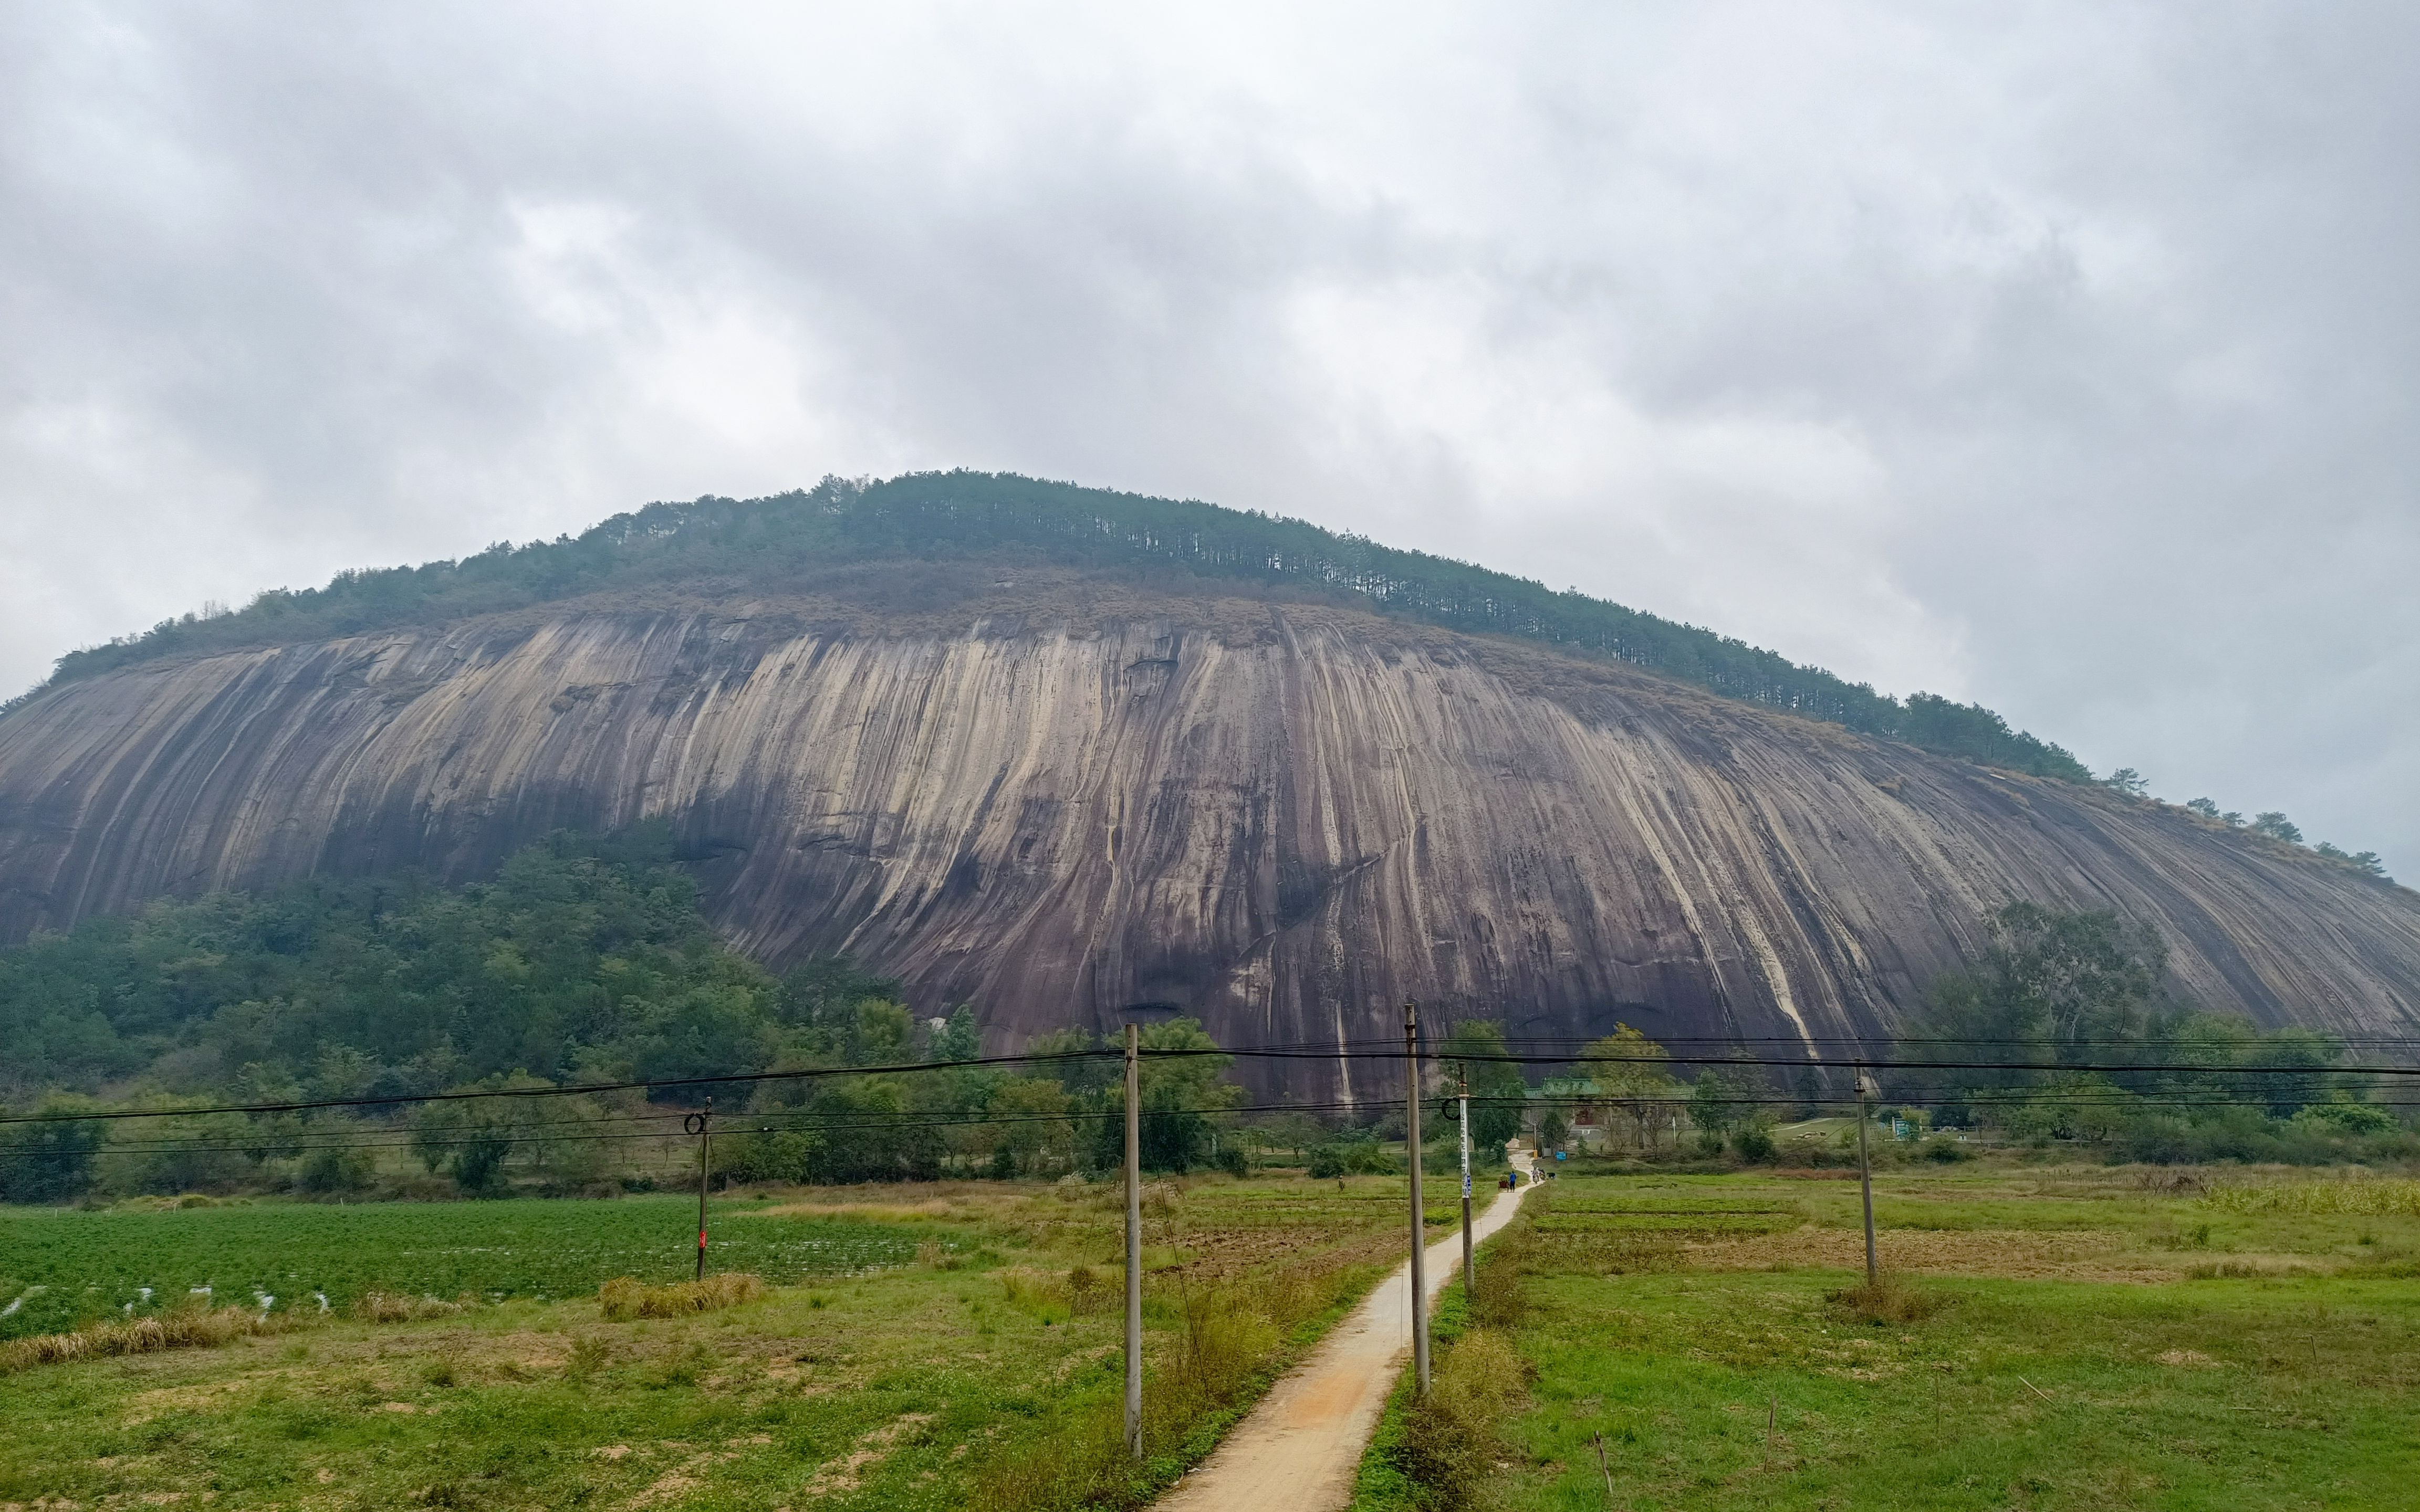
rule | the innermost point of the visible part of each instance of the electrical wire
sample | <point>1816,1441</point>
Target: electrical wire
<point>865,1120</point>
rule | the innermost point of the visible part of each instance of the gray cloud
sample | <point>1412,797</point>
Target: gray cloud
<point>2060,358</point>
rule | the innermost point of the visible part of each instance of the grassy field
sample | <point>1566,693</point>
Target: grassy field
<point>60,1267</point>
<point>2062,1338</point>
<point>962,1351</point>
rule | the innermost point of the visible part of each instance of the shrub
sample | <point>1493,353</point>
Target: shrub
<point>1353,1157</point>
<point>1754,1141</point>
<point>2347,1117</point>
<point>333,1169</point>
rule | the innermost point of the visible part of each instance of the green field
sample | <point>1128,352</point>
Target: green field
<point>954,1345</point>
<point>2082,1339</point>
<point>60,1267</point>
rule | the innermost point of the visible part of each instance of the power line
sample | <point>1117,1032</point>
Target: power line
<point>1866,1063</point>
<point>1275,1052</point>
<point>862,1120</point>
<point>576,1090</point>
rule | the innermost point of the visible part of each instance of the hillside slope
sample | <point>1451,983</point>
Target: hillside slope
<point>1058,792</point>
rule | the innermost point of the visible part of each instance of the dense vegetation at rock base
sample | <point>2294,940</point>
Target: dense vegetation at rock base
<point>585,961</point>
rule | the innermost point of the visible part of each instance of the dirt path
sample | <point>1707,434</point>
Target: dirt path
<point>1298,1451</point>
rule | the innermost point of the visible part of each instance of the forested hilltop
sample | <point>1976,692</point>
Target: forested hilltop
<point>936,515</point>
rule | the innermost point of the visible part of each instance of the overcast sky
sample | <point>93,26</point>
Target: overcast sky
<point>2062,357</point>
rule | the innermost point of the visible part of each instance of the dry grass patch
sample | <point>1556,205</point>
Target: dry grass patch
<point>844,1473</point>
<point>2016,1253</point>
<point>1887,1299</point>
<point>2358,1195</point>
<point>2257,1268</point>
<point>185,1328</point>
<point>396,1307</point>
<point>626,1297</point>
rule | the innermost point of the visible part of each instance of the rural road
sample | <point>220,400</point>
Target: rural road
<point>1298,1450</point>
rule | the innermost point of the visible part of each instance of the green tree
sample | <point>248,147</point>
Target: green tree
<point>958,1039</point>
<point>1182,1094</point>
<point>211,1152</point>
<point>50,1161</point>
<point>1037,1127</point>
<point>1552,1129</point>
<point>1634,1087</point>
<point>1498,1092</point>
<point>2276,827</point>
<point>2050,983</point>
<point>1717,1102</point>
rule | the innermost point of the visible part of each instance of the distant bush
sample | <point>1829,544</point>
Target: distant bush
<point>1753,1140</point>
<point>1944,1150</point>
<point>1353,1157</point>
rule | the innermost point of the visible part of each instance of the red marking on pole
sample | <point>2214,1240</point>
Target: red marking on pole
<point>700,1239</point>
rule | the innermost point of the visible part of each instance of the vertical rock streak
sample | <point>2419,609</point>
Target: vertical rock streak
<point>1285,833</point>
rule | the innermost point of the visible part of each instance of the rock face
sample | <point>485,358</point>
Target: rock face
<point>1284,818</point>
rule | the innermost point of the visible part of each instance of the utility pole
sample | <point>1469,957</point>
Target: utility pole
<point>1419,1229</point>
<point>1865,1169</point>
<point>1134,1241</point>
<point>1467,1292</point>
<point>696,1123</point>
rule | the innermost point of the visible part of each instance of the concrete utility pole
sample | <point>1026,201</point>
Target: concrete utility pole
<point>1419,1229</point>
<point>696,1123</point>
<point>1866,1089</point>
<point>1134,1241</point>
<point>1467,1293</point>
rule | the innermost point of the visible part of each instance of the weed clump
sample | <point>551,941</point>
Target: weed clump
<point>1234,1338</point>
<point>626,1297</point>
<point>2350,1195</point>
<point>1451,1442</point>
<point>400,1307</point>
<point>589,1354</point>
<point>1887,1299</point>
